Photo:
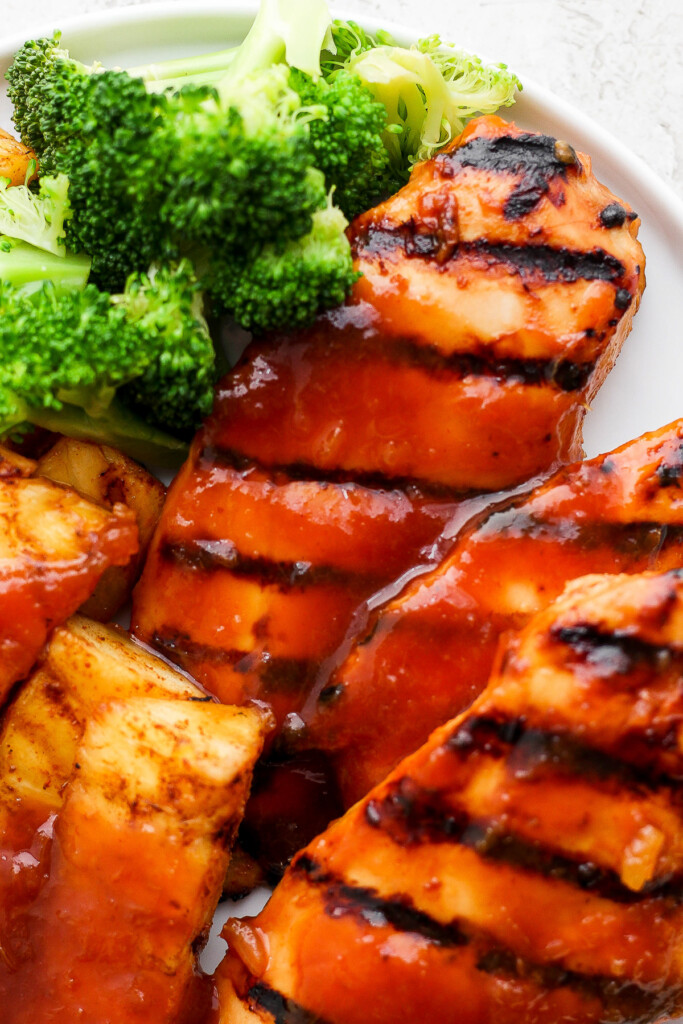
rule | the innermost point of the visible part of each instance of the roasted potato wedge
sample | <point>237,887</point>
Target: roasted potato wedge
<point>107,476</point>
<point>142,779</point>
<point>14,464</point>
<point>140,850</point>
<point>54,546</point>
<point>85,664</point>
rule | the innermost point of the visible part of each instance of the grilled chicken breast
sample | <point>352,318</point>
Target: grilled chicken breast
<point>54,547</point>
<point>425,655</point>
<point>525,864</point>
<point>497,288</point>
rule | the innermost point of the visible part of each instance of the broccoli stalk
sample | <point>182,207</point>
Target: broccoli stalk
<point>292,32</point>
<point>32,246</point>
<point>85,362</point>
<point>26,267</point>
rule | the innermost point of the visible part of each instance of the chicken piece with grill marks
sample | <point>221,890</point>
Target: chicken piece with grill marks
<point>424,655</point>
<point>496,290</point>
<point>525,864</point>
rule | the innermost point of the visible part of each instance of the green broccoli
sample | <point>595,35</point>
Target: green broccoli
<point>428,91</point>
<point>347,141</point>
<point>82,362</point>
<point>195,168</point>
<point>230,158</point>
<point>32,226</point>
<point>26,267</point>
<point>101,130</point>
<point>289,285</point>
<point>239,168</point>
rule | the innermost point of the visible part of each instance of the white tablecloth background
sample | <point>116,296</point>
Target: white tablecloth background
<point>621,61</point>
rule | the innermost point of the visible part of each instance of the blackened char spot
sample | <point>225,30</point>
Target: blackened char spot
<point>282,1009</point>
<point>670,469</point>
<point>622,300</point>
<point>330,694</point>
<point>613,216</point>
<point>533,158</point>
<point>613,652</point>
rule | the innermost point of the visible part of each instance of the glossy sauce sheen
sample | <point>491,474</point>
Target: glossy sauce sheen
<point>493,301</point>
<point>525,864</point>
<point>112,898</point>
<point>425,655</point>
<point>55,547</point>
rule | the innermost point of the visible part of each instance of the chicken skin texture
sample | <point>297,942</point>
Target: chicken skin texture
<point>497,288</point>
<point>425,655</point>
<point>524,864</point>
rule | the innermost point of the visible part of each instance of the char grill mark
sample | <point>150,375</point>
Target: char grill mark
<point>370,909</point>
<point>670,469</point>
<point>561,374</point>
<point>222,555</point>
<point>282,474</point>
<point>535,751</point>
<point>412,815</point>
<point>535,159</point>
<point>631,1002</point>
<point>277,675</point>
<point>629,539</point>
<point>283,1010</point>
<point>541,262</point>
<point>614,653</point>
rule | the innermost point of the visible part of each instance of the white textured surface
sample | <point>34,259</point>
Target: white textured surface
<point>621,61</point>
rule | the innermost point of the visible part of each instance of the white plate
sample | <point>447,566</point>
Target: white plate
<point>643,392</point>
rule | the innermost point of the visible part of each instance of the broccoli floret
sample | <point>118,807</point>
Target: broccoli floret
<point>239,166</point>
<point>347,142</point>
<point>32,226</point>
<point>81,361</point>
<point>346,40</point>
<point>291,284</point>
<point>152,175</point>
<point>38,218</point>
<point>101,130</point>
<point>428,91</point>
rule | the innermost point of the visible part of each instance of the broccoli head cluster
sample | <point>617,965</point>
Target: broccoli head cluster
<point>233,174</point>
